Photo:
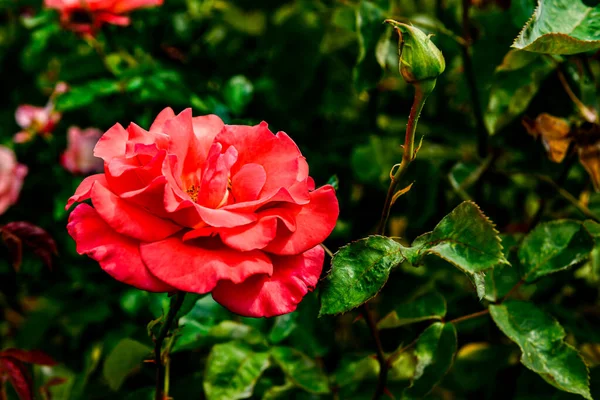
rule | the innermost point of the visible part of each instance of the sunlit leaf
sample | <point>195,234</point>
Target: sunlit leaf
<point>544,351</point>
<point>554,246</point>
<point>232,370</point>
<point>466,238</point>
<point>561,27</point>
<point>434,351</point>
<point>303,371</point>
<point>358,272</point>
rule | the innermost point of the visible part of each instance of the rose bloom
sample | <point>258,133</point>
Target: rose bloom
<point>79,156</point>
<point>34,120</point>
<point>87,16</point>
<point>11,178</point>
<point>199,206</point>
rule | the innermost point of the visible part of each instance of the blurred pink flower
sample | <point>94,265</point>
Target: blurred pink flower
<point>87,16</point>
<point>11,178</point>
<point>79,156</point>
<point>38,120</point>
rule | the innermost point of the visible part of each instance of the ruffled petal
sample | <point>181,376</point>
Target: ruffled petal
<point>206,128</point>
<point>280,293</point>
<point>251,237</point>
<point>197,266</point>
<point>118,255</point>
<point>278,154</point>
<point>112,144</point>
<point>84,190</point>
<point>314,223</point>
<point>248,182</point>
<point>161,118</point>
<point>215,176</point>
<point>129,219</point>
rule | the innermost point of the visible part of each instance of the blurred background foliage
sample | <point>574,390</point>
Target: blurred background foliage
<point>325,72</point>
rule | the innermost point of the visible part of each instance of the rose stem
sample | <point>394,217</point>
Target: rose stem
<point>422,91</point>
<point>174,307</point>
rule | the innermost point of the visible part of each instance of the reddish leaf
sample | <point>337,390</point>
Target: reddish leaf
<point>18,377</point>
<point>15,234</point>
<point>28,356</point>
<point>45,390</point>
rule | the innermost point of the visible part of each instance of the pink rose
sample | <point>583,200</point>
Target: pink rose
<point>199,206</point>
<point>11,178</point>
<point>87,16</point>
<point>34,120</point>
<point>79,156</point>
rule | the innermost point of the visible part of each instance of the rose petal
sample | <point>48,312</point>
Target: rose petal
<point>314,223</point>
<point>278,154</point>
<point>118,255</point>
<point>251,237</point>
<point>84,190</point>
<point>248,182</point>
<point>206,128</point>
<point>129,219</point>
<point>112,144</point>
<point>194,268</point>
<point>215,176</point>
<point>264,296</point>
<point>123,6</point>
<point>165,115</point>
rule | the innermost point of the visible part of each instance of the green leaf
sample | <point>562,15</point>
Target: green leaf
<point>195,334</point>
<point>366,368</point>
<point>126,355</point>
<point>84,95</point>
<point>279,392</point>
<point>504,277</point>
<point>434,352</point>
<point>593,229</point>
<point>429,306</point>
<point>232,370</point>
<point>238,93</point>
<point>515,84</point>
<point>283,326</point>
<point>466,238</point>
<point>301,369</point>
<point>358,272</point>
<point>541,339</point>
<point>552,247</point>
<point>561,27</point>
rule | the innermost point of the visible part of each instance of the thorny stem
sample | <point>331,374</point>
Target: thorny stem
<point>176,303</point>
<point>482,134</point>
<point>422,91</point>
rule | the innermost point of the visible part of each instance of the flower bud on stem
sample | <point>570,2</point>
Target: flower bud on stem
<point>421,62</point>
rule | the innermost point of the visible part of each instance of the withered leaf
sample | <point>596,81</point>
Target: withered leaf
<point>554,132</point>
<point>17,233</point>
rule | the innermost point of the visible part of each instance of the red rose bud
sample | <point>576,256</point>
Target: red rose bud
<point>420,59</point>
<point>199,206</point>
